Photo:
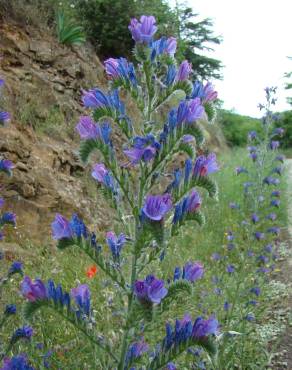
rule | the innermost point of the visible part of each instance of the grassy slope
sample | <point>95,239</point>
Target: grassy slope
<point>194,243</point>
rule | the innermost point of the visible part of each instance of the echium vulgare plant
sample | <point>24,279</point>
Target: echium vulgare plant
<point>151,209</point>
<point>251,245</point>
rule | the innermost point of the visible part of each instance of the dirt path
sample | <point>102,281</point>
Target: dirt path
<point>283,358</point>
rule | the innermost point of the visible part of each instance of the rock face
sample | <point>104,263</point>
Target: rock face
<point>48,177</point>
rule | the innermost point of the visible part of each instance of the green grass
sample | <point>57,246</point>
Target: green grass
<point>243,351</point>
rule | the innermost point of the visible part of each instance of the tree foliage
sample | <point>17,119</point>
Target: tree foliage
<point>106,23</point>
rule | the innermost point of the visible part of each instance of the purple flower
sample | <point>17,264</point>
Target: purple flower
<point>189,204</point>
<point>279,131</point>
<point>144,148</point>
<point>157,206</point>
<point>233,205</point>
<point>271,216</point>
<point>252,135</point>
<point>184,71</point>
<point>263,259</point>
<point>205,93</point>
<point>163,46</point>
<point>120,69</point>
<point>95,99</point>
<point>230,269</point>
<point>19,362</point>
<point>143,31</point>
<point>259,236</point>
<point>193,271</point>
<point>256,290</point>
<point>280,158</point>
<point>250,253</point>
<point>274,145</point>
<point>216,257</point>
<point>8,218</point>
<point>203,328</point>
<point>194,201</point>
<point>230,236</point>
<point>274,230</point>
<point>240,170</point>
<point>171,366</point>
<point>269,248</point>
<point>61,228</point>
<point>26,332</point>
<point>188,111</point>
<point>87,129</point>
<point>136,350</point>
<point>205,165</point>
<point>275,203</point>
<point>253,156</point>
<point>209,93</point>
<point>226,306</point>
<point>2,82</point>
<point>81,295</point>
<point>255,218</point>
<point>6,166</point>
<point>16,267</point>
<point>99,172</point>
<point>4,118</point>
<point>150,291</point>
<point>250,317</point>
<point>33,290</point>
<point>115,243</point>
<point>271,181</point>
<point>10,309</point>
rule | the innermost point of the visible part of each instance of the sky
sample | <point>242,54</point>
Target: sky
<point>257,38</point>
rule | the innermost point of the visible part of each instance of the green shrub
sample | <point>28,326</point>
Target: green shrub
<point>67,31</point>
<point>236,127</point>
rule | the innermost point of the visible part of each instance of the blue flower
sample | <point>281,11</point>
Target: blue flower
<point>19,362</point>
<point>4,118</point>
<point>150,291</point>
<point>8,218</point>
<point>115,244</point>
<point>136,350</point>
<point>16,267</point>
<point>81,295</point>
<point>143,31</point>
<point>25,332</point>
<point>10,309</point>
<point>256,291</point>
<point>230,269</point>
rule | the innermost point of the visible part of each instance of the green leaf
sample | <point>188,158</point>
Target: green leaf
<point>206,183</point>
<point>181,286</point>
<point>210,111</point>
<point>185,86</point>
<point>87,147</point>
<point>186,148</point>
<point>68,32</point>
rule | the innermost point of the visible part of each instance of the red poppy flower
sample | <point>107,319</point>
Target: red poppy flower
<point>91,271</point>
